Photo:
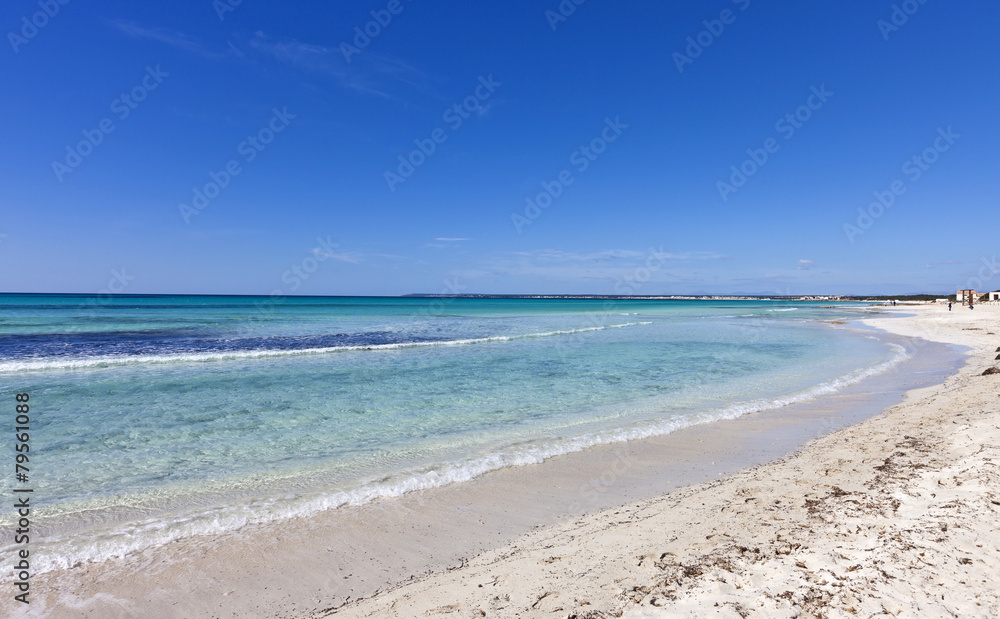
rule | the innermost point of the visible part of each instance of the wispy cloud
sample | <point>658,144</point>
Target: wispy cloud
<point>560,255</point>
<point>804,265</point>
<point>931,265</point>
<point>352,257</point>
<point>444,242</point>
<point>170,37</point>
<point>203,234</point>
<point>563,265</point>
<point>400,71</point>
<point>369,74</point>
<point>305,56</point>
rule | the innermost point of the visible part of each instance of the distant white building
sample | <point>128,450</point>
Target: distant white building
<point>995,295</point>
<point>965,296</point>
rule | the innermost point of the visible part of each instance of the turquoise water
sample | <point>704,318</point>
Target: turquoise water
<point>157,418</point>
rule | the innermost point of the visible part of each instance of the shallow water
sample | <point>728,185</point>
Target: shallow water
<point>155,418</point>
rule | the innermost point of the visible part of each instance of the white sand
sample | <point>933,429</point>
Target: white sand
<point>895,517</point>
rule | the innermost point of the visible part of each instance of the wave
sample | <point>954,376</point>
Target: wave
<point>96,362</point>
<point>135,537</point>
<point>784,309</point>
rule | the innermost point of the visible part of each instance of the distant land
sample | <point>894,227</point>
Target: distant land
<point>909,297</point>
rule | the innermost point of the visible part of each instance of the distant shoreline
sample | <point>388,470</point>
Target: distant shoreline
<point>925,298</point>
<point>612,297</point>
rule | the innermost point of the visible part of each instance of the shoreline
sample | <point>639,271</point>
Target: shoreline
<point>893,516</point>
<point>111,541</point>
<point>625,473</point>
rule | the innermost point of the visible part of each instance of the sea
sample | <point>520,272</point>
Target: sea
<point>159,418</point>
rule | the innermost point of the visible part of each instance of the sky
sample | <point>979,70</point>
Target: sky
<point>385,147</point>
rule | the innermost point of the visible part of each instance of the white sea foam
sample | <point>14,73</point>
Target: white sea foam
<point>783,309</point>
<point>83,363</point>
<point>66,552</point>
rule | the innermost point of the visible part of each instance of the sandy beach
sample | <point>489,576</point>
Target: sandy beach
<point>887,514</point>
<point>894,517</point>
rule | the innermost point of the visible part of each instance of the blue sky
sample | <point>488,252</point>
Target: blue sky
<point>625,121</point>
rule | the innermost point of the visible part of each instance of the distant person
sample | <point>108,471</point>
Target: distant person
<point>949,306</point>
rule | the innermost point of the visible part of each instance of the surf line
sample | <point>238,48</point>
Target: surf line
<point>101,362</point>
